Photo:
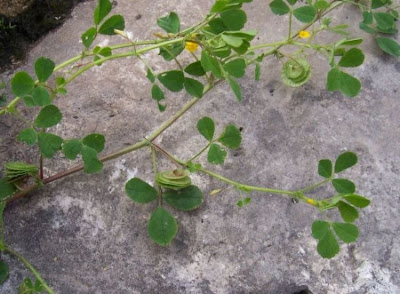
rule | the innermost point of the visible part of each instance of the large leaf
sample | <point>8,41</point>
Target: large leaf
<point>234,19</point>
<point>184,199</point>
<point>29,136</point>
<point>231,137</point>
<point>305,14</point>
<point>162,227</point>
<point>49,116</point>
<point>49,144</point>
<point>210,63</point>
<point>44,68</point>
<point>344,186</point>
<point>95,141</point>
<point>352,58</point>
<point>346,232</point>
<point>172,80</point>
<point>206,127</point>
<point>195,69</point>
<point>357,200</point>
<point>216,154</point>
<point>325,168</point>
<point>115,22</point>
<point>102,10</point>
<point>91,163</point>
<point>345,83</point>
<point>349,213</point>
<point>328,247</point>
<point>389,46</point>
<point>22,84</point>
<point>194,87</point>
<point>236,67</point>
<point>139,191</point>
<point>41,96</point>
<point>88,37</point>
<point>72,148</point>
<point>279,7</point>
<point>344,161</point>
<point>170,23</point>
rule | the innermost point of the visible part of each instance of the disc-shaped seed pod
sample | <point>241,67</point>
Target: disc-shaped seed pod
<point>176,179</point>
<point>18,170</point>
<point>296,72</point>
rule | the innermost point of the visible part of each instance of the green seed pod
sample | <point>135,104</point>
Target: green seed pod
<point>18,170</point>
<point>176,179</point>
<point>296,72</point>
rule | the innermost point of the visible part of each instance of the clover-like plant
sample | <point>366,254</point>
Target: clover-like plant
<point>222,51</point>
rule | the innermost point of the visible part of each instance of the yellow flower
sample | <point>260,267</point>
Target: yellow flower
<point>311,201</point>
<point>304,34</point>
<point>191,46</point>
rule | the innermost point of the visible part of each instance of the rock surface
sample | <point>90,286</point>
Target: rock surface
<point>86,236</point>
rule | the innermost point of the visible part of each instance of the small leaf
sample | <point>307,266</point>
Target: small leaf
<point>162,227</point>
<point>325,168</point>
<point>72,148</point>
<point>367,17</point>
<point>232,40</point>
<point>243,202</point>
<point>384,20</point>
<point>40,96</point>
<point>345,161</point>
<point>185,199</point>
<point>150,76</point>
<point>169,52</point>
<point>348,233</point>
<point>279,7</point>
<point>349,213</point>
<point>292,2</point>
<point>49,144</point>
<point>28,100</point>
<point>357,200</point>
<point>156,93</point>
<point>344,186</point>
<point>352,58</point>
<point>321,4</point>
<point>88,37</point>
<point>328,247</point>
<point>231,137</point>
<point>194,87</point>
<point>352,42</point>
<point>26,287</point>
<point>44,68</point>
<point>257,72</point>
<point>22,84</point>
<point>170,23</point>
<point>236,67</point>
<point>139,191</point>
<point>3,272</point>
<point>95,141</point>
<point>216,154</point>
<point>206,127</point>
<point>389,46</point>
<point>102,10</point>
<point>210,63</point>
<point>29,136</point>
<point>378,3</point>
<point>234,19</point>
<point>305,14</point>
<point>345,83</point>
<point>172,80</point>
<point>195,69</point>
<point>91,163</point>
<point>235,88</point>
<point>115,22</point>
<point>6,189</point>
<point>49,116</point>
<point>105,51</point>
<point>217,26</point>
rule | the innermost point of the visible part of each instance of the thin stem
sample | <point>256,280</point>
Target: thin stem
<point>41,167</point>
<point>154,160</point>
<point>31,268</point>
<point>315,185</point>
<point>290,25</point>
<point>199,153</point>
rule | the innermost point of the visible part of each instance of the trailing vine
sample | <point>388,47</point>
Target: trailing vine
<point>221,51</point>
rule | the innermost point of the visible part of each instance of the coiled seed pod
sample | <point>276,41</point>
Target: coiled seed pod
<point>296,72</point>
<point>176,179</point>
<point>16,171</point>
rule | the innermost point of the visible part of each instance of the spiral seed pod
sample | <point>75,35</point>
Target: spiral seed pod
<point>18,170</point>
<point>176,179</point>
<point>296,72</point>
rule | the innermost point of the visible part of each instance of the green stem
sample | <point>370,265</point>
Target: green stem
<point>31,268</point>
<point>154,160</point>
<point>199,153</point>
<point>315,185</point>
<point>290,25</point>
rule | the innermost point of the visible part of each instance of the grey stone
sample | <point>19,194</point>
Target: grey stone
<point>86,236</point>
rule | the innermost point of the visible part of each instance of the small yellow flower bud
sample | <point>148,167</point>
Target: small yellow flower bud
<point>304,34</point>
<point>191,46</point>
<point>311,201</point>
